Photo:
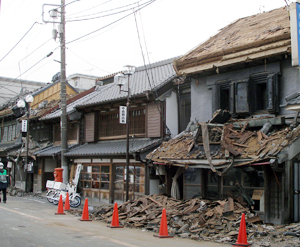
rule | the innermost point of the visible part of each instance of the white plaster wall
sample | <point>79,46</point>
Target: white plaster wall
<point>201,101</point>
<point>50,164</point>
<point>82,82</point>
<point>172,114</point>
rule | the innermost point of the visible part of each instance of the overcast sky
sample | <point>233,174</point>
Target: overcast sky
<point>164,29</point>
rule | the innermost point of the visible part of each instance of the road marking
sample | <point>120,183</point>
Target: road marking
<point>116,241</point>
<point>33,200</point>
<point>78,230</point>
<point>17,212</point>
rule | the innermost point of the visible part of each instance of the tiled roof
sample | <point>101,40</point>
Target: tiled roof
<point>158,73</point>
<point>113,147</point>
<point>51,150</point>
<point>9,146</point>
<point>144,79</point>
<point>244,144</point>
<point>71,104</point>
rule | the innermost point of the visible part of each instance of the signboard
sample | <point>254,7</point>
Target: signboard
<point>30,167</point>
<point>123,114</point>
<point>295,33</point>
<point>24,125</point>
<point>9,164</point>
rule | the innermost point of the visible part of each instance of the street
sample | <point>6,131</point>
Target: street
<point>31,221</point>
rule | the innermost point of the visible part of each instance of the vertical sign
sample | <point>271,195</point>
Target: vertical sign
<point>295,33</point>
<point>298,30</point>
<point>24,125</point>
<point>123,114</point>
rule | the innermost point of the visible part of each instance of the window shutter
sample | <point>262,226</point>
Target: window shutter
<point>154,120</point>
<point>231,99</point>
<point>242,97</point>
<point>90,127</point>
<point>272,91</point>
<point>216,97</point>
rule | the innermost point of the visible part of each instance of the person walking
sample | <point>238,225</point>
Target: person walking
<point>3,181</point>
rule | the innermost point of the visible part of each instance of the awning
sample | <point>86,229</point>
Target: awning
<point>113,147</point>
<point>53,150</point>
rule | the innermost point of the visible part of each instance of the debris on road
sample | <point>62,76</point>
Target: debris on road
<point>199,219</point>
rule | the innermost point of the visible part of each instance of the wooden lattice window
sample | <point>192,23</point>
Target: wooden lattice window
<point>109,123</point>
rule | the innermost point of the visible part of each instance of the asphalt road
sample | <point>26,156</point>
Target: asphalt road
<point>30,221</point>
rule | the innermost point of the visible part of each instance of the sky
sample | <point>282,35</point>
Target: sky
<point>104,35</point>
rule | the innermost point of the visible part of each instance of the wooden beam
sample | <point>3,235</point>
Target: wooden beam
<point>227,60</point>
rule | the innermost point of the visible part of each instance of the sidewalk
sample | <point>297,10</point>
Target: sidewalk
<point>92,202</point>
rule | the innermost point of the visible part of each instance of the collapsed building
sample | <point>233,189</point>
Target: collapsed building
<point>243,138</point>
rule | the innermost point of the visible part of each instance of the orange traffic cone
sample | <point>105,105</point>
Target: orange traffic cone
<point>67,202</point>
<point>115,218</point>
<point>60,208</point>
<point>242,237</point>
<point>85,213</point>
<point>163,230</point>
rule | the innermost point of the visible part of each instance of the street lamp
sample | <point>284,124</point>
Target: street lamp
<point>120,81</point>
<point>24,103</point>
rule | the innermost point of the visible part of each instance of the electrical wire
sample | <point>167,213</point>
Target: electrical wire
<point>149,62</point>
<point>137,29</point>
<point>17,42</point>
<point>103,12</point>
<point>38,68</point>
<point>97,17</point>
<point>156,95</point>
<point>88,62</point>
<point>35,50</point>
<point>48,55</point>
<point>145,5</point>
<point>90,8</point>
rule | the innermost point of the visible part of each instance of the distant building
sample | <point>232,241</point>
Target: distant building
<point>81,81</point>
<point>12,87</point>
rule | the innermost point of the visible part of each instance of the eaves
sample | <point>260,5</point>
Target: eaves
<point>203,64</point>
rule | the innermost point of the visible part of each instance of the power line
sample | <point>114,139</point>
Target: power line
<point>18,42</point>
<point>97,17</point>
<point>48,55</point>
<point>91,18</point>
<point>90,8</point>
<point>36,49</point>
<point>156,95</point>
<point>138,33</point>
<point>88,62</point>
<point>145,5</point>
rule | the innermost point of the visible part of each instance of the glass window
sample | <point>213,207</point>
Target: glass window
<point>9,133</point>
<point>5,133</point>
<point>94,179</point>
<point>193,176</point>
<point>95,168</point>
<point>13,132</point>
<point>253,177</point>
<point>231,176</point>
<point>212,178</point>
<point>136,181</point>
<point>104,169</point>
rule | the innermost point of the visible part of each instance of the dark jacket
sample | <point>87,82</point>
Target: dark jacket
<point>3,179</point>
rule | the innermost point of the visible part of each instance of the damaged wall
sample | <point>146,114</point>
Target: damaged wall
<point>201,103</point>
<point>203,99</point>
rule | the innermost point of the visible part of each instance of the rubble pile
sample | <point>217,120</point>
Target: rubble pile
<point>200,219</point>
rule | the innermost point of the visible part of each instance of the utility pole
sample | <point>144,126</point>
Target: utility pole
<point>63,92</point>
<point>63,96</point>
